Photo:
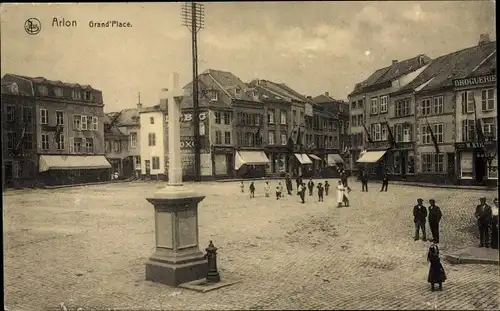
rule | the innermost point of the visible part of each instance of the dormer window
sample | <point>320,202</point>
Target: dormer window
<point>420,60</point>
<point>58,92</point>
<point>213,95</point>
<point>76,94</point>
<point>44,91</point>
<point>237,92</point>
<point>87,95</point>
<point>13,88</point>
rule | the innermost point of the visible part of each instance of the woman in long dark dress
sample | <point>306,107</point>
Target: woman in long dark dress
<point>436,270</point>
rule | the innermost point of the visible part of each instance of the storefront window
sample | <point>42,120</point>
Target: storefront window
<point>396,163</point>
<point>493,169</point>
<point>466,171</point>
<point>281,163</point>
<point>411,162</point>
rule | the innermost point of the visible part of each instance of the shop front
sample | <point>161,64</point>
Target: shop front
<point>373,161</point>
<point>401,161</point>
<point>72,169</point>
<point>250,163</point>
<point>303,165</point>
<point>279,160</point>
<point>334,163</point>
<point>317,165</point>
<point>473,165</point>
<point>222,162</point>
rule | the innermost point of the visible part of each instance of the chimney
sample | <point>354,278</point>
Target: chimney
<point>139,105</point>
<point>394,61</point>
<point>484,39</point>
<point>327,93</point>
<point>163,98</point>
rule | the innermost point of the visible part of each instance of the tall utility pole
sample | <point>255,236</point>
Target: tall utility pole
<point>193,17</point>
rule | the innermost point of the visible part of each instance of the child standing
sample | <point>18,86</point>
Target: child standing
<point>310,185</point>
<point>278,192</point>
<point>320,192</point>
<point>327,187</point>
<point>282,190</point>
<point>242,187</point>
<point>267,189</point>
<point>436,270</point>
<point>252,190</point>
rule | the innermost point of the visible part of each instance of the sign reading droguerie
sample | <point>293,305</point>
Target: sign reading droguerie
<point>475,80</point>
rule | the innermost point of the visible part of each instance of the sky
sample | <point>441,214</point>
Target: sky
<point>314,47</point>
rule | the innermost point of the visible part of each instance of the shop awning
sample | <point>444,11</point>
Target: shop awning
<point>334,159</point>
<point>371,156</point>
<point>250,158</point>
<point>314,157</point>
<point>303,158</point>
<point>64,162</point>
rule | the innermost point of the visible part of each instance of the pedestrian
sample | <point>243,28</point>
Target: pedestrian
<point>494,226</point>
<point>267,189</point>
<point>484,216</point>
<point>310,185</point>
<point>278,192</point>
<point>385,182</point>
<point>436,270</point>
<point>419,218</point>
<point>298,182</point>
<point>302,192</point>
<point>242,187</point>
<point>364,181</point>
<point>282,190</point>
<point>252,190</point>
<point>340,193</point>
<point>327,187</point>
<point>320,192</point>
<point>289,187</point>
<point>434,218</point>
<point>346,196</point>
<point>343,177</point>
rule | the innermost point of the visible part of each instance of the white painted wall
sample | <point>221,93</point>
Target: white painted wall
<point>148,152</point>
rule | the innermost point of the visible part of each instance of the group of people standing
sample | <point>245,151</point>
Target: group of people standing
<point>487,223</point>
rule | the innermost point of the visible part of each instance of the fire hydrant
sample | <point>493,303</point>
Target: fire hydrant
<point>212,275</point>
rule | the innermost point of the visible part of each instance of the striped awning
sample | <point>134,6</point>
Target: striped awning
<point>64,162</point>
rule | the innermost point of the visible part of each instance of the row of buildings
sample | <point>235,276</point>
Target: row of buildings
<point>57,133</point>
<point>419,100</point>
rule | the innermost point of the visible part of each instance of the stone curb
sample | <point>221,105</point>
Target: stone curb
<point>455,260</point>
<point>87,184</point>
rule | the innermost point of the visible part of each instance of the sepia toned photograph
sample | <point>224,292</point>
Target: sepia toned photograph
<point>292,155</point>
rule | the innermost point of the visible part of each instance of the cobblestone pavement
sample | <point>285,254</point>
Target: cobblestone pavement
<point>86,247</point>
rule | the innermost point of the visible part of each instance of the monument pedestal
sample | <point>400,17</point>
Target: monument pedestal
<point>177,258</point>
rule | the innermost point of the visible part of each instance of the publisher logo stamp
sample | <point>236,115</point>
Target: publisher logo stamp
<point>32,26</point>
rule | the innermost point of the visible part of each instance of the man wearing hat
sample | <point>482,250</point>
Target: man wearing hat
<point>484,216</point>
<point>419,218</point>
<point>434,219</point>
<point>494,226</point>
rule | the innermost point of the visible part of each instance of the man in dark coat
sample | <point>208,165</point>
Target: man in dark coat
<point>364,181</point>
<point>302,193</point>
<point>419,218</point>
<point>385,182</point>
<point>484,216</point>
<point>494,226</point>
<point>298,182</point>
<point>289,185</point>
<point>434,219</point>
<point>310,186</point>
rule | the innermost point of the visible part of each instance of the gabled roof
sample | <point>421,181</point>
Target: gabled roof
<point>323,98</point>
<point>281,88</point>
<point>489,66</point>
<point>265,94</point>
<point>42,80</point>
<point>392,72</point>
<point>126,117</point>
<point>24,86</point>
<point>442,70</point>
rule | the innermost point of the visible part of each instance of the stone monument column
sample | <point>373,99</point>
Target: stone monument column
<point>177,258</point>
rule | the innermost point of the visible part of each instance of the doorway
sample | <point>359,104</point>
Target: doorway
<point>479,165</point>
<point>9,175</point>
<point>229,164</point>
<point>148,168</point>
<point>450,156</point>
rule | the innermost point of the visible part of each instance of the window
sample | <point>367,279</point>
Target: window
<point>156,163</point>
<point>77,122</point>
<point>152,139</point>
<point>466,165</point>
<point>89,144</point>
<point>218,137</point>
<point>137,161</point>
<point>439,132</point>
<point>27,142</point>
<point>377,132</point>
<point>360,103</point>
<point>411,162</point>
<point>237,92</point>
<point>487,100</point>
<point>489,128</point>
<point>374,106</point>
<point>58,92</point>
<point>217,117</point>
<point>438,105</point>
<point>227,118</point>
<point>11,137</point>
<point>402,108</point>
<point>398,132</point>
<point>133,140</point>
<point>468,130</point>
<point>43,90</point>
<point>384,132</point>
<point>301,121</point>
<point>468,103</point>
<point>107,146</point>
<point>77,145</point>
<point>45,142</point>
<point>117,146</point>
<point>426,107</point>
<point>432,163</point>
<point>283,117</point>
<point>227,138</point>
<point>27,115</point>
<point>294,116</point>
<point>151,120</point>
<point>270,137</point>
<point>493,169</point>
<point>59,118</point>
<point>75,94</point>
<point>396,163</point>
<point>341,127</point>
<point>407,134</point>
<point>84,123</point>
<point>256,119</point>
<point>60,142</point>
<point>270,116</point>
<point>11,112</point>
<point>353,105</point>
<point>213,95</point>
<point>284,138</point>
<point>383,104</point>
<point>95,124</point>
<point>44,116</point>
<point>87,95</point>
<point>89,123</point>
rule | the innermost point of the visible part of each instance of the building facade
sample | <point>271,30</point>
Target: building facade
<point>69,132</point>
<point>154,142</point>
<point>18,134</point>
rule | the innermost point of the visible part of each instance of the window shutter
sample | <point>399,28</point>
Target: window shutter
<point>71,145</point>
<point>464,102</point>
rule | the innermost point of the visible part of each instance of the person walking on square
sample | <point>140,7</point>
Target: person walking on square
<point>436,271</point>
<point>242,187</point>
<point>278,192</point>
<point>494,226</point>
<point>289,186</point>
<point>434,219</point>
<point>320,192</point>
<point>267,189</point>
<point>484,217</point>
<point>385,182</point>
<point>346,196</point>
<point>302,192</point>
<point>364,181</point>
<point>252,190</point>
<point>343,178</point>
<point>340,193</point>
<point>419,218</point>
<point>298,182</point>
<point>327,187</point>
<point>282,190</point>
<point>310,185</point>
